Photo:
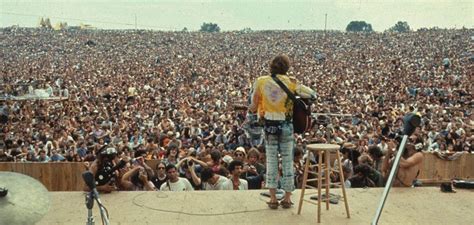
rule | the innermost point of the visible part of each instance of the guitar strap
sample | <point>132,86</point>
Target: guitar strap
<point>296,103</point>
<point>283,86</point>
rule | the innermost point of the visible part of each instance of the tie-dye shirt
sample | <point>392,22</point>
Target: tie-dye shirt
<point>271,102</point>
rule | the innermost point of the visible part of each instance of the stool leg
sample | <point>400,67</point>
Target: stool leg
<point>328,166</point>
<point>342,184</point>
<point>320,170</point>
<point>303,185</point>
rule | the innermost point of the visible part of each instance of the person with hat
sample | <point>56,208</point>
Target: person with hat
<point>240,154</point>
<point>275,109</point>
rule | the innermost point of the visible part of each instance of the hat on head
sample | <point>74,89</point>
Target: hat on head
<point>170,133</point>
<point>240,149</point>
<point>227,159</point>
<point>191,151</point>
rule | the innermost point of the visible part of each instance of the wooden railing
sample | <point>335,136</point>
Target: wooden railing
<point>67,176</point>
<point>60,176</point>
<point>436,170</point>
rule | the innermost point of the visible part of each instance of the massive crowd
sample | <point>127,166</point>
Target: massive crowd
<point>176,97</point>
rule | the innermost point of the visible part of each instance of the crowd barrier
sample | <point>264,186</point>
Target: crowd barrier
<point>66,176</point>
<point>58,176</point>
<point>436,170</point>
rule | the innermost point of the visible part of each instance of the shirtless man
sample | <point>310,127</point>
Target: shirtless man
<point>409,167</point>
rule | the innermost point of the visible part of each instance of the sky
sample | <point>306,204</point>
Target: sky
<point>239,14</point>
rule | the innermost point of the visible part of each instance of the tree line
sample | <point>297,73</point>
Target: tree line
<point>353,26</point>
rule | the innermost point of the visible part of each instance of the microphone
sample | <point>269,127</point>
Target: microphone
<point>88,178</point>
<point>410,122</point>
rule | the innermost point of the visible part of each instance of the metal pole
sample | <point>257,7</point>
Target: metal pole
<point>89,205</point>
<point>325,21</point>
<point>331,114</point>
<point>103,214</point>
<point>393,173</point>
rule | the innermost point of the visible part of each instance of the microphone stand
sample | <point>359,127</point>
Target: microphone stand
<point>90,197</point>
<point>90,204</point>
<point>103,212</point>
<point>389,183</point>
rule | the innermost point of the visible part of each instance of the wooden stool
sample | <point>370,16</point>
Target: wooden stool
<point>322,149</point>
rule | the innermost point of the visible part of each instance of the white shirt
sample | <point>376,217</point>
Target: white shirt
<point>181,185</point>
<point>229,185</point>
<point>219,185</point>
<point>383,147</point>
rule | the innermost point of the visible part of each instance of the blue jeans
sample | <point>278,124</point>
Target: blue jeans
<point>283,144</point>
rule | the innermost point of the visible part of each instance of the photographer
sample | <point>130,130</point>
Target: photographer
<point>138,178</point>
<point>361,179</point>
<point>252,171</point>
<point>105,169</point>
<point>188,170</point>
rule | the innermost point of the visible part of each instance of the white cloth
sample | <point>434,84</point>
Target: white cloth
<point>228,184</point>
<point>219,185</point>
<point>181,185</point>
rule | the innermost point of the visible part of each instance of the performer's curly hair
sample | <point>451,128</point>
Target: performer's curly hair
<point>280,64</point>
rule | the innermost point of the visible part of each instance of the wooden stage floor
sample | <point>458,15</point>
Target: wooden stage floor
<point>425,205</point>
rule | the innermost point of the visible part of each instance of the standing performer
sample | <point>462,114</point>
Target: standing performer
<point>275,109</point>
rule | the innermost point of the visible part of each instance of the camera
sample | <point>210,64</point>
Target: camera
<point>190,162</point>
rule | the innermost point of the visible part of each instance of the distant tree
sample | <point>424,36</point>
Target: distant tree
<point>359,26</point>
<point>246,30</point>
<point>185,29</point>
<point>47,23</point>
<point>41,22</point>
<point>400,27</point>
<point>210,27</point>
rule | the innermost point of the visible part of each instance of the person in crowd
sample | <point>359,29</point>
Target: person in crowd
<point>360,179</point>
<point>377,156</point>
<point>188,169</point>
<point>172,155</point>
<point>211,180</point>
<point>159,175</point>
<point>104,169</point>
<point>374,175</point>
<point>298,165</point>
<point>410,163</point>
<point>56,157</point>
<point>42,157</point>
<point>138,179</point>
<point>174,182</point>
<point>253,170</point>
<point>373,88</point>
<point>235,182</point>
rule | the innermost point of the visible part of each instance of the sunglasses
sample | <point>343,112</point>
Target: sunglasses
<point>161,168</point>
<point>239,154</point>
